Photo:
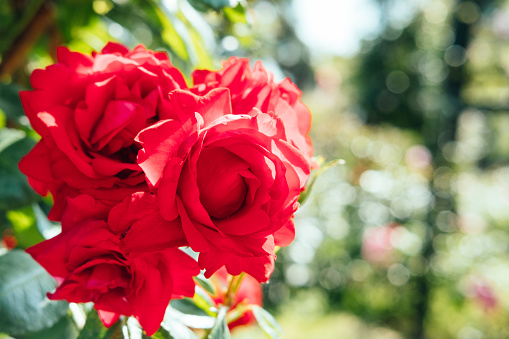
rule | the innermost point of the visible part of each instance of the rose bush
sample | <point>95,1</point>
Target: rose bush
<point>140,165</point>
<point>88,111</point>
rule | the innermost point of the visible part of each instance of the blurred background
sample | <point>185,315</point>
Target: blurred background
<point>408,236</point>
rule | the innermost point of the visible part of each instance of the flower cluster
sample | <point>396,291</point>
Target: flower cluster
<point>139,164</point>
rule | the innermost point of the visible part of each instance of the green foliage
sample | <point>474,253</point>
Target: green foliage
<point>176,329</point>
<point>205,283</point>
<point>188,306</point>
<point>267,322</point>
<point>24,306</point>
<point>94,328</point>
<point>24,224</point>
<point>220,329</point>
<point>236,14</point>
<point>204,5</point>
<point>10,103</point>
<point>15,190</point>
<point>314,175</point>
<point>65,328</point>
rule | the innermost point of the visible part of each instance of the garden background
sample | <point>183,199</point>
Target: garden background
<point>407,236</point>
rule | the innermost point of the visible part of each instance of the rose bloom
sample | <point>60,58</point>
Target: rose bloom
<point>231,181</point>
<point>254,88</point>
<point>249,293</point>
<point>88,109</point>
<point>91,264</point>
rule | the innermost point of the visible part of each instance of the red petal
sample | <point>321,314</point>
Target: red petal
<point>108,318</point>
<point>161,142</point>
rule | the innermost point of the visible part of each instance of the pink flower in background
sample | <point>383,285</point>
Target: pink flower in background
<point>376,245</point>
<point>484,294</point>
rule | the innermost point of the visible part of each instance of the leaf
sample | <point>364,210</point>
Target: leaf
<point>65,328</point>
<point>15,191</point>
<point>160,334</point>
<point>9,136</point>
<point>203,300</point>
<point>187,306</point>
<point>237,313</point>
<point>25,227</point>
<point>193,321</point>
<point>305,195</point>
<point>220,329</point>
<point>115,331</point>
<point>205,283</point>
<point>203,5</point>
<point>95,329</point>
<point>236,14</point>
<point>267,322</point>
<point>175,329</point>
<point>170,34</point>
<point>24,306</point>
<point>10,103</point>
<point>46,228</point>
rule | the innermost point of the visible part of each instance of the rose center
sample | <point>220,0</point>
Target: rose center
<point>220,181</point>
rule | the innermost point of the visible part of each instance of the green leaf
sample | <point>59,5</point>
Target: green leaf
<point>9,136</point>
<point>206,284</point>
<point>65,328</point>
<point>236,14</point>
<point>15,191</point>
<point>115,331</point>
<point>203,5</point>
<point>203,300</point>
<point>187,306</point>
<point>220,329</point>
<point>45,227</point>
<point>94,327</point>
<point>10,103</point>
<point>169,33</point>
<point>305,195</point>
<point>24,306</point>
<point>173,328</point>
<point>190,320</point>
<point>237,313</point>
<point>25,226</point>
<point>160,334</point>
<point>267,322</point>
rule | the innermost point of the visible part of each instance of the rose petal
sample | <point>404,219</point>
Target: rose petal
<point>161,142</point>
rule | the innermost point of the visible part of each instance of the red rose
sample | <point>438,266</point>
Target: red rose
<point>231,182</point>
<point>91,264</point>
<point>249,293</point>
<point>88,111</point>
<point>255,88</point>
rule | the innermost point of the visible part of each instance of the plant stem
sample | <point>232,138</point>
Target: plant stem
<point>233,285</point>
